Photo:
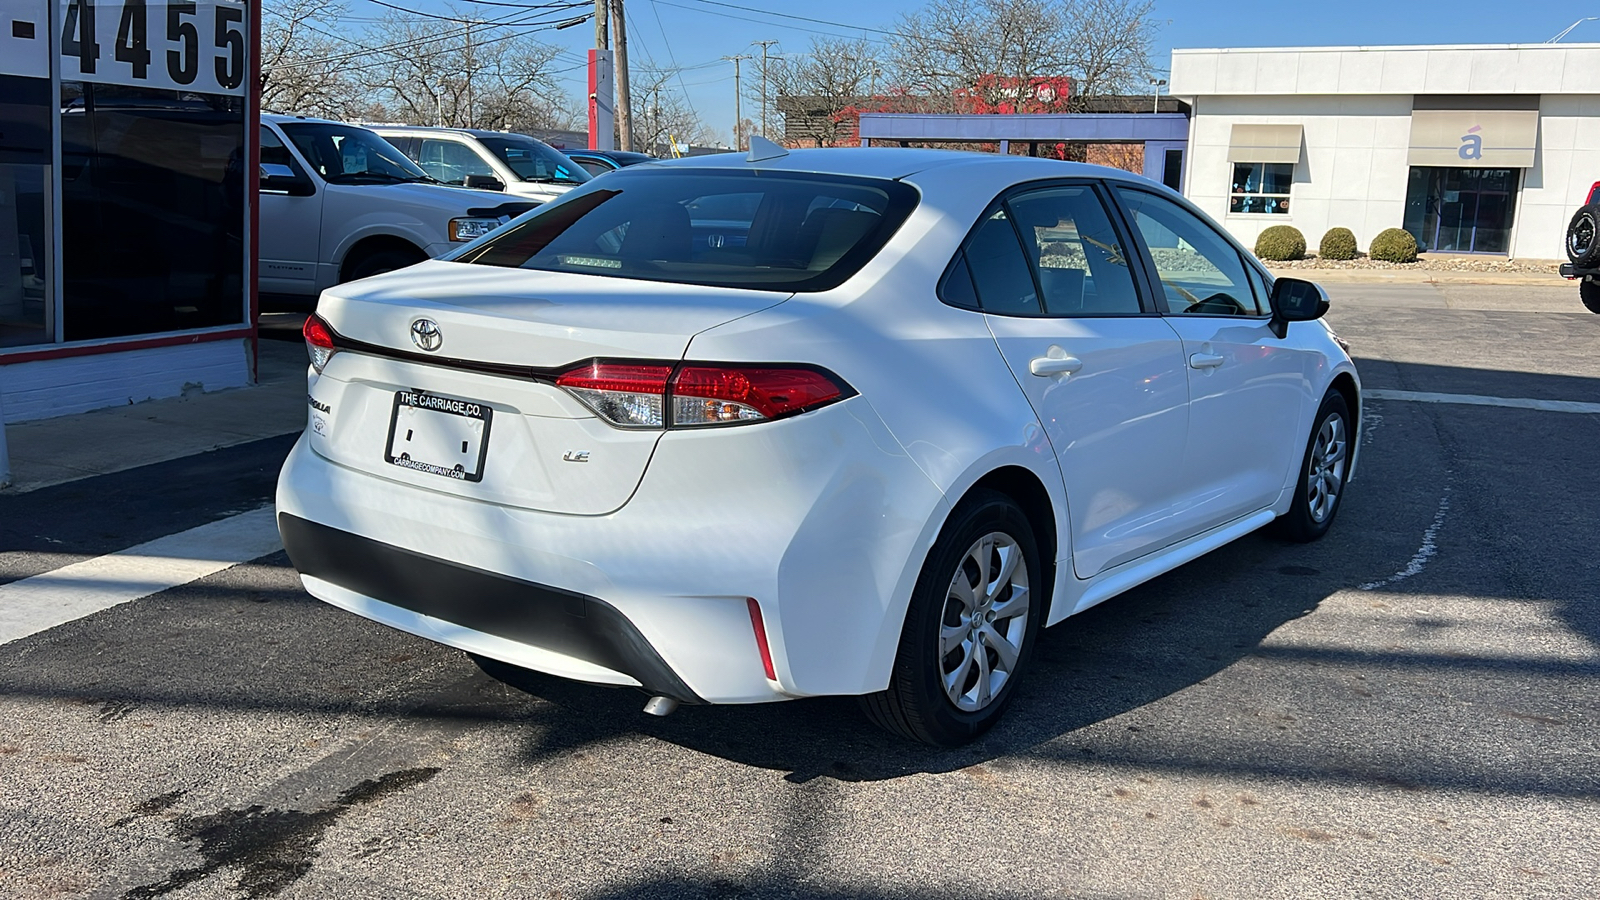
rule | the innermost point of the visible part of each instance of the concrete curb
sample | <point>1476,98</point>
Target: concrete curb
<point>1423,276</point>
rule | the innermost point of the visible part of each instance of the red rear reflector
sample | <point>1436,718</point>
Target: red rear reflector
<point>761,638</point>
<point>316,333</point>
<point>769,390</point>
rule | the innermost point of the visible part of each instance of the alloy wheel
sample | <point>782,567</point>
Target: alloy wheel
<point>1325,476</point>
<point>1581,237</point>
<point>984,622</point>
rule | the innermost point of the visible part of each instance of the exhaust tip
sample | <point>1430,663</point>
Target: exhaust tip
<point>660,706</point>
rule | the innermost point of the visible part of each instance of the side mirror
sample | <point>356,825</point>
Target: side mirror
<point>1296,300</point>
<point>278,178</point>
<point>485,183</point>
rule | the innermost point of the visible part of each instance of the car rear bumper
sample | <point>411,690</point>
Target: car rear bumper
<point>554,628</point>
<point>1573,273</point>
<point>822,519</point>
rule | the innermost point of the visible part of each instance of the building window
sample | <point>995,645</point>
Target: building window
<point>1261,188</point>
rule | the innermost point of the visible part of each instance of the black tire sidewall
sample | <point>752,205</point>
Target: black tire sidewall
<point>1590,257</point>
<point>1589,293</point>
<point>917,666</point>
<point>383,261</point>
<point>1297,524</point>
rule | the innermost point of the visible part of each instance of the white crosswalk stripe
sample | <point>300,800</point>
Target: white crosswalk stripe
<point>53,598</point>
<point>1566,406</point>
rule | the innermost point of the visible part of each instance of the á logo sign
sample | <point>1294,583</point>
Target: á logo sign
<point>1471,144</point>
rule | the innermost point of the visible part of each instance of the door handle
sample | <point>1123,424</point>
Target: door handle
<point>1205,361</point>
<point>1045,366</point>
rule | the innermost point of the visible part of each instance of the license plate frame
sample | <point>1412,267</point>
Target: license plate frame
<point>423,408</point>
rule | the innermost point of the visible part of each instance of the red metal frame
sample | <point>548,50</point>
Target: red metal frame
<point>168,340</point>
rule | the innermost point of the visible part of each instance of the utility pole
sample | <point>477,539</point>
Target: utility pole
<point>471,64</point>
<point>602,36</point>
<point>619,31</point>
<point>738,114</point>
<point>764,46</point>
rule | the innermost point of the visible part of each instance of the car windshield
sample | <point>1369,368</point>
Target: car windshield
<point>535,161</point>
<point>349,155</point>
<point>773,231</point>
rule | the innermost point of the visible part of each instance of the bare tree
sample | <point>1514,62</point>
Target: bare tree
<point>464,72</point>
<point>1015,55</point>
<point>1110,43</point>
<point>304,64</point>
<point>820,93</point>
<point>664,116</point>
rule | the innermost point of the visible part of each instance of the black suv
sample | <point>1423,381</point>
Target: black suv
<point>1583,248</point>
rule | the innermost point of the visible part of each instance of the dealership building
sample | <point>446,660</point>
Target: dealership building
<point>1473,149</point>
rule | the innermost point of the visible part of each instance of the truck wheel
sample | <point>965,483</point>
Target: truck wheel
<point>1583,237</point>
<point>1589,292</point>
<point>381,261</point>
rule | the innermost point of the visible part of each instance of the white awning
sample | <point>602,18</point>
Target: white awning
<point>1265,144</point>
<point>1466,138</point>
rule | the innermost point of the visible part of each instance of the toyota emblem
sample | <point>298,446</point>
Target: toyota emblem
<point>425,334</point>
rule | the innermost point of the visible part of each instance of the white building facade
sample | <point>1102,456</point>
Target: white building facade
<point>1473,149</point>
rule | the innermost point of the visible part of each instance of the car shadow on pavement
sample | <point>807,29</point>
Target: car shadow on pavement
<point>1161,638</point>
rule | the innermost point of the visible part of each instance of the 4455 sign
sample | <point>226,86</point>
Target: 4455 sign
<point>184,45</point>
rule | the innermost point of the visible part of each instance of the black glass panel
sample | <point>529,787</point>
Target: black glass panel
<point>1453,210</point>
<point>152,210</point>
<point>25,313</point>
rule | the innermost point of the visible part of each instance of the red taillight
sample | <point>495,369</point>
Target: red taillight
<point>634,395</point>
<point>711,395</point>
<point>761,638</point>
<point>319,342</point>
<point>630,395</point>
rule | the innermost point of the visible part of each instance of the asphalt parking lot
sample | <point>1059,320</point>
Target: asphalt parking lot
<point>1408,708</point>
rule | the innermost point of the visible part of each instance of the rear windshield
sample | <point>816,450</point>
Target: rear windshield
<point>774,231</point>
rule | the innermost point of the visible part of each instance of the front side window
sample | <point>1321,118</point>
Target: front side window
<point>343,154</point>
<point>1201,273</point>
<point>1261,188</point>
<point>749,229</point>
<point>535,161</point>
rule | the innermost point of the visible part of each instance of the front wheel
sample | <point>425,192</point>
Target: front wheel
<point>973,619</point>
<point>1323,473</point>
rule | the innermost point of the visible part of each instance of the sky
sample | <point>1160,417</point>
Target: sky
<point>693,35</point>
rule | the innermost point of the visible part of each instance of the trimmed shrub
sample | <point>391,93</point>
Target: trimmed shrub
<point>1338,243</point>
<point>1394,245</point>
<point>1280,243</point>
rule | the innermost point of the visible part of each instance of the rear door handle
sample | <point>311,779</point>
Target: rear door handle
<point>1205,361</point>
<point>1045,366</point>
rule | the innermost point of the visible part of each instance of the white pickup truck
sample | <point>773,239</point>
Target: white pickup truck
<point>338,203</point>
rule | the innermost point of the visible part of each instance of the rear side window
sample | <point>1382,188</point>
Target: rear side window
<point>749,229</point>
<point>999,270</point>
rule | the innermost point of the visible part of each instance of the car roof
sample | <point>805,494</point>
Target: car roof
<point>280,117</point>
<point>610,154</point>
<point>893,162</point>
<point>439,129</point>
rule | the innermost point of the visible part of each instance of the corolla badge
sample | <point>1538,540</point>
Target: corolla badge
<point>425,334</point>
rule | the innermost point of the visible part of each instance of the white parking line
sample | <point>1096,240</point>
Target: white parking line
<point>44,601</point>
<point>1566,406</point>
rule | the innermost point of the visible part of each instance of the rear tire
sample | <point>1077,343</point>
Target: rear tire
<point>1323,472</point>
<point>381,261</point>
<point>1583,237</point>
<point>970,629</point>
<point>1589,293</point>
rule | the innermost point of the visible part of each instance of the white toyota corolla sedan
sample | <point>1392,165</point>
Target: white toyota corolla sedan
<point>737,429</point>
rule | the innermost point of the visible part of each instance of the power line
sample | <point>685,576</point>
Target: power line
<point>765,21</point>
